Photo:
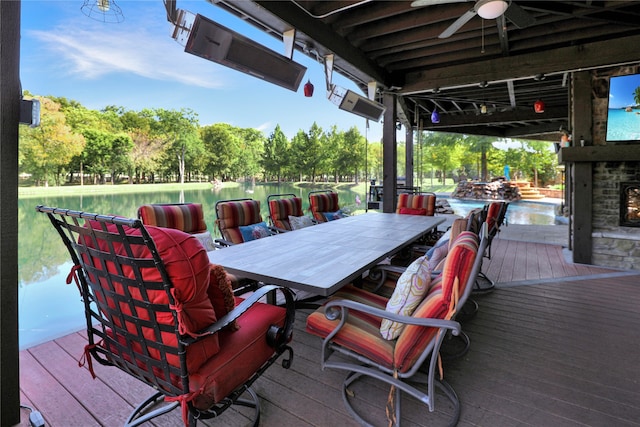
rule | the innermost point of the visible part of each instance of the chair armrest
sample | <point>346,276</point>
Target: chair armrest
<point>223,242</point>
<point>382,270</point>
<point>284,335</point>
<point>339,308</point>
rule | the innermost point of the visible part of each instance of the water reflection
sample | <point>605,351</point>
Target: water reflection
<point>49,308</point>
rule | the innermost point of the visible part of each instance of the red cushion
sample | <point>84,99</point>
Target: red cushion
<point>241,354</point>
<point>187,266</point>
<point>412,211</point>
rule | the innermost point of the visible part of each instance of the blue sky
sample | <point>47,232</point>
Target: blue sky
<point>621,90</point>
<point>136,64</point>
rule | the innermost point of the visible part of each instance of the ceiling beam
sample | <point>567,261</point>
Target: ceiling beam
<point>348,57</point>
<point>584,56</point>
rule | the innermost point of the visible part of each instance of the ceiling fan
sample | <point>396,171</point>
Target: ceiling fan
<point>486,9</point>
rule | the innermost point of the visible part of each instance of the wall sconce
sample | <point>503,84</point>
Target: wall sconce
<point>308,89</point>
<point>435,117</point>
<point>538,106</point>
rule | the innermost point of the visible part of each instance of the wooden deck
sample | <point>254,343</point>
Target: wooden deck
<point>555,344</point>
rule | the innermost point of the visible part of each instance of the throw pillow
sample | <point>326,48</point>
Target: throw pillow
<point>410,290</point>
<point>330,216</point>
<point>206,240</point>
<point>298,222</point>
<point>220,293</point>
<point>439,251</point>
<point>254,231</point>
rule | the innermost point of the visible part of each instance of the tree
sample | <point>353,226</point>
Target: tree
<point>179,132</point>
<point>351,155</point>
<point>47,149</point>
<point>222,147</point>
<point>274,155</point>
<point>251,149</point>
<point>442,151</point>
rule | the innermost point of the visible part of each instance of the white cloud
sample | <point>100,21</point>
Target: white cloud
<point>89,54</point>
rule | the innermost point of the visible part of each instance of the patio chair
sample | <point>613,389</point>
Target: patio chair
<point>324,205</point>
<point>286,214</point>
<point>239,221</point>
<point>494,217</point>
<point>388,340</point>
<point>156,309</point>
<point>416,204</point>
<point>188,217</point>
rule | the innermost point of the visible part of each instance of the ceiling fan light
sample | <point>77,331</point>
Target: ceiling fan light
<point>491,9</point>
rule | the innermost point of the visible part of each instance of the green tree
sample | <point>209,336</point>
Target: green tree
<point>251,149</point>
<point>179,132</point>
<point>222,147</point>
<point>46,150</point>
<point>351,158</point>
<point>275,153</point>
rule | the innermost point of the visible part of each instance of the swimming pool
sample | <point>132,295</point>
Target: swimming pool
<point>521,212</point>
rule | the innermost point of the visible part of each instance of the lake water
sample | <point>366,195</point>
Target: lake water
<point>48,308</point>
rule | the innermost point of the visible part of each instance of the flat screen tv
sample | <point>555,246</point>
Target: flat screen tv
<point>623,113</point>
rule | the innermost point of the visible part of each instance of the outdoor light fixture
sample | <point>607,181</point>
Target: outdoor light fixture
<point>538,106</point>
<point>308,89</point>
<point>483,108</point>
<point>103,10</point>
<point>435,117</point>
<point>491,9</point>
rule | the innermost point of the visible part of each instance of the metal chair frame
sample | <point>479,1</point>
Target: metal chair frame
<point>107,326</point>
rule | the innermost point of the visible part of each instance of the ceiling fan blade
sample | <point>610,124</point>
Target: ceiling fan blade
<point>420,3</point>
<point>458,24</point>
<point>518,16</point>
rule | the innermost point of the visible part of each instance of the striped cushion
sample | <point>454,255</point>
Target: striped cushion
<point>187,217</point>
<point>281,209</point>
<point>413,339</point>
<point>233,214</point>
<point>361,333</point>
<point>492,216</point>
<point>323,202</point>
<point>416,201</point>
<point>458,265</point>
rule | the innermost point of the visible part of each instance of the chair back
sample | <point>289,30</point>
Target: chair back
<point>281,207</point>
<point>144,289</point>
<point>233,214</point>
<point>321,202</point>
<point>188,217</point>
<point>443,301</point>
<point>416,204</point>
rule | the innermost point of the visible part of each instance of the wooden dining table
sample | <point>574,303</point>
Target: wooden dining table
<point>322,258</point>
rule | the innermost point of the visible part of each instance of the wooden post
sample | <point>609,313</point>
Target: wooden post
<point>408,160</point>
<point>582,173</point>
<point>389,155</point>
<point>9,118</point>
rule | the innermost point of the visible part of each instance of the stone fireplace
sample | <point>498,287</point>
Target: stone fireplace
<point>630,204</point>
<point>604,179</point>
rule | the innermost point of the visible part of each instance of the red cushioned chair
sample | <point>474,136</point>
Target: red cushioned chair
<point>324,204</point>
<point>350,325</point>
<point>494,215</point>
<point>282,207</point>
<point>416,204</point>
<point>239,221</point>
<point>157,310</point>
<point>188,217</point>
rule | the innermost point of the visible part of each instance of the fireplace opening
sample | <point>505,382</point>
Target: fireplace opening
<point>630,204</point>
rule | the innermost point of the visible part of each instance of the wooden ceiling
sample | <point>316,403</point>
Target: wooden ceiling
<point>506,64</point>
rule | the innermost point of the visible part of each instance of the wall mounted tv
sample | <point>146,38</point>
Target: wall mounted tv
<point>623,114</point>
